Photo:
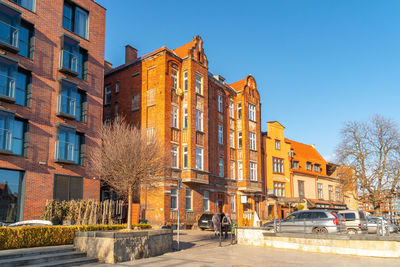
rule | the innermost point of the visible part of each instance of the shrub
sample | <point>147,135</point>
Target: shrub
<point>40,236</point>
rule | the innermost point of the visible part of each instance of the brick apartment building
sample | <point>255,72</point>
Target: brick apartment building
<point>51,80</point>
<point>210,128</point>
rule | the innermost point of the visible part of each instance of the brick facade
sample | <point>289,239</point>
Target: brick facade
<point>39,164</point>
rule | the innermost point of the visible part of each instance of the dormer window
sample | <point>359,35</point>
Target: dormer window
<point>308,166</point>
<point>317,168</point>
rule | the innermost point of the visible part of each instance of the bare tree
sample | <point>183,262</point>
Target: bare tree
<point>127,159</point>
<point>372,149</point>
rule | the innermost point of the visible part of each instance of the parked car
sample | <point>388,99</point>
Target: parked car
<point>205,221</point>
<point>31,223</point>
<point>310,221</point>
<point>355,221</point>
<point>372,223</point>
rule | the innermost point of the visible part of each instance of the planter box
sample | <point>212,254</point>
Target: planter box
<point>112,247</point>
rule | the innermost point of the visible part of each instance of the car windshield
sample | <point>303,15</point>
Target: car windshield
<point>206,216</point>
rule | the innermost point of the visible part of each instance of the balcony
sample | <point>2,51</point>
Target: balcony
<point>9,37</point>
<point>5,141</point>
<point>66,107</point>
<point>195,177</point>
<point>7,88</point>
<point>175,135</point>
<point>249,186</point>
<point>64,152</point>
<point>69,63</point>
<point>199,138</point>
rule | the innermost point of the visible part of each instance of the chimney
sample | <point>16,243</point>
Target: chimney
<point>130,54</point>
<point>219,77</point>
<point>107,66</point>
<point>313,146</point>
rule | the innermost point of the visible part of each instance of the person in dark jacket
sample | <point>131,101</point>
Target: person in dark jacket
<point>226,224</point>
<point>216,223</point>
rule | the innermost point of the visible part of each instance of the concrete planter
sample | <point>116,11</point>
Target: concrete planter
<point>112,247</point>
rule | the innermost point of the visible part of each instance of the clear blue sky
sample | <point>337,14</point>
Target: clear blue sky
<point>317,63</point>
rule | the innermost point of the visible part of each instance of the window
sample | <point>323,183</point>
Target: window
<point>277,145</point>
<point>199,120</point>
<point>239,140</point>
<point>240,170</point>
<point>175,157</point>
<point>117,87</point>
<point>67,187</point>
<point>232,139</point>
<point>174,75</point>
<point>8,78</point>
<point>199,84</point>
<point>185,117</point>
<point>279,189</point>
<point>252,141</point>
<point>175,116</point>
<point>22,88</point>
<point>308,166</point>
<point>72,102</point>
<point>174,198</point>
<point>337,193</point>
<point>301,188</point>
<point>9,23</point>
<point>233,170</point>
<point>206,201</point>
<point>135,102</point>
<point>69,146</point>
<point>330,192</point>
<point>13,134</point>
<point>75,19</point>
<point>295,164</point>
<point>26,40</point>
<point>11,182</point>
<point>199,158</point>
<point>291,153</point>
<point>239,111</point>
<point>231,109</point>
<point>221,167</point>
<point>253,171</point>
<point>317,168</point>
<point>74,60</point>
<point>188,198</point>
<point>83,65</point>
<point>185,81</point>
<point>185,156</point>
<point>220,134</point>
<point>252,112</point>
<point>319,190</point>
<point>233,203</point>
<point>277,165</point>
<point>28,4</point>
<point>220,108</point>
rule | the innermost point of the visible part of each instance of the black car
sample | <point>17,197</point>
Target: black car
<point>205,221</point>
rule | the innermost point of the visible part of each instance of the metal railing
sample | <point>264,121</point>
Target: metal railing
<point>7,85</point>
<point>64,151</point>
<point>69,61</point>
<point>5,139</point>
<point>9,34</point>
<point>66,105</point>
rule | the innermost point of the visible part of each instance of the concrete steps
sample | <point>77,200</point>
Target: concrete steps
<point>44,256</point>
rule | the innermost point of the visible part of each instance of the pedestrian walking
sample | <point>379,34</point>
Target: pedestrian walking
<point>216,223</point>
<point>226,224</point>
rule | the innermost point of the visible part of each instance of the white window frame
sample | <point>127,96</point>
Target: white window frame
<point>174,195</point>
<point>221,167</point>
<point>239,110</point>
<point>199,120</point>
<point>233,170</point>
<point>199,80</point>
<point>175,116</point>
<point>252,141</point>
<point>185,80</point>
<point>107,95</point>
<point>253,171</point>
<point>232,139</point>
<point>320,189</point>
<point>175,155</point>
<point>199,152</point>
<point>252,112</point>
<point>279,189</point>
<point>220,134</point>
<point>174,75</point>
<point>185,121</point>
<point>240,170</point>
<point>220,107</point>
<point>206,201</point>
<point>190,197</point>
<point>231,109</point>
<point>240,140</point>
<point>185,158</point>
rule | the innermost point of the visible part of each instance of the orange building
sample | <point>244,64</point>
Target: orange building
<point>210,128</point>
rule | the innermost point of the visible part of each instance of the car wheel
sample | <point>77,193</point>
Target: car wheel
<point>202,229</point>
<point>320,230</point>
<point>351,231</point>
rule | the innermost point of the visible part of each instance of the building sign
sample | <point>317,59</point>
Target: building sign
<point>243,199</point>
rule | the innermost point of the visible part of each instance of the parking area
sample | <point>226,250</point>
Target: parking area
<point>201,248</point>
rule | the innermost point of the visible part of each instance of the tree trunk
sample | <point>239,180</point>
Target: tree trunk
<point>129,223</point>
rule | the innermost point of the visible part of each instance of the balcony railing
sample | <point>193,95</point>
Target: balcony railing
<point>7,86</point>
<point>64,152</point>
<point>66,105</point>
<point>69,62</point>
<point>9,34</point>
<point>5,139</point>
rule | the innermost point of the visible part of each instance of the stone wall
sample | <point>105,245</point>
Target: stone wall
<point>360,245</point>
<point>112,247</point>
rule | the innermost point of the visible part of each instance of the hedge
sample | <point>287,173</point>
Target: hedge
<point>40,236</point>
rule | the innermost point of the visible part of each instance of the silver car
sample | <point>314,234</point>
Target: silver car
<point>310,221</point>
<point>373,221</point>
<point>355,221</point>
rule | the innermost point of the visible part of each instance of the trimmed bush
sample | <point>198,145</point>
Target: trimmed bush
<point>40,236</point>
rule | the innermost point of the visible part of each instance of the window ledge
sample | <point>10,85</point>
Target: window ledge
<point>68,71</point>
<point>6,152</point>
<point>65,161</point>
<point>66,115</point>
<point>7,99</point>
<point>197,94</point>
<point>9,47</point>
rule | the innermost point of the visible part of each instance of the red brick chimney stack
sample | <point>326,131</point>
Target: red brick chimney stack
<point>130,54</point>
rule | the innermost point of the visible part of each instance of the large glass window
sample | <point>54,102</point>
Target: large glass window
<point>277,165</point>
<point>13,134</point>
<point>188,198</point>
<point>9,26</point>
<point>67,187</point>
<point>25,40</point>
<point>174,198</point>
<point>220,134</point>
<point>8,77</point>
<point>69,146</point>
<point>253,171</point>
<point>22,88</point>
<point>70,56</point>
<point>75,19</point>
<point>28,4</point>
<point>10,195</point>
<point>206,201</point>
<point>72,101</point>
<point>199,158</point>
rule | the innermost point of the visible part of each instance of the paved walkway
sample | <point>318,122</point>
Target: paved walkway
<point>201,249</point>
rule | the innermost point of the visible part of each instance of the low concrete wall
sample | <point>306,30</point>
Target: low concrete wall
<point>112,247</point>
<point>360,245</point>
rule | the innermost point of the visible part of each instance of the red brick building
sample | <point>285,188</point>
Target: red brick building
<point>51,75</point>
<point>210,128</point>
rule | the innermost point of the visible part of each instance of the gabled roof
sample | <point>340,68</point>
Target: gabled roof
<point>183,50</point>
<point>239,85</point>
<point>306,152</point>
